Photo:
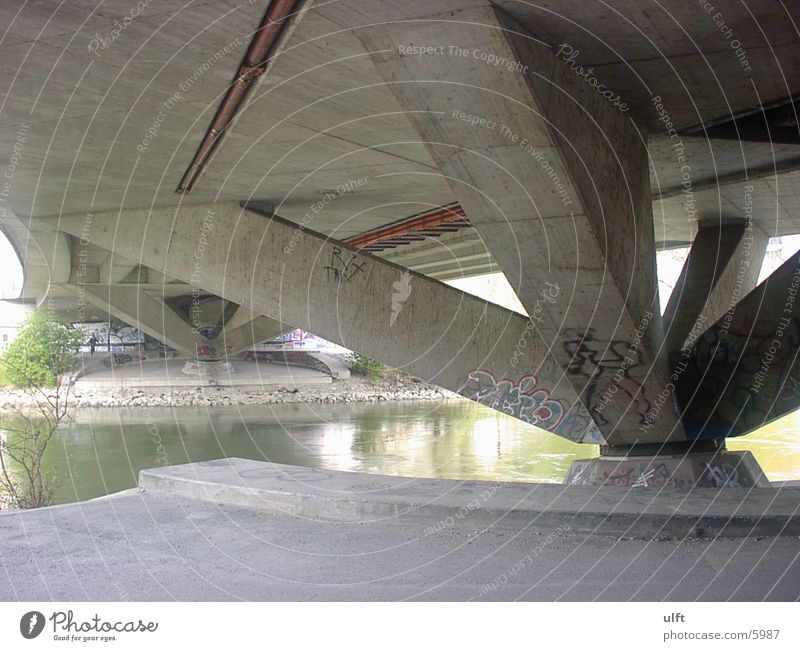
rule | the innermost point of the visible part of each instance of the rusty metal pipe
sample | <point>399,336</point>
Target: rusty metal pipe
<point>251,68</point>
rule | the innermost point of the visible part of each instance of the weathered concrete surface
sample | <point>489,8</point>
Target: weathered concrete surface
<point>241,317</point>
<point>235,338</point>
<point>158,547</point>
<point>45,256</point>
<point>554,177</point>
<point>328,114</point>
<point>470,505</point>
<point>136,307</point>
<point>338,369</point>
<point>152,316</point>
<point>114,269</point>
<point>722,268</point>
<point>717,469</point>
<point>743,371</point>
<point>296,276</point>
<point>335,97</point>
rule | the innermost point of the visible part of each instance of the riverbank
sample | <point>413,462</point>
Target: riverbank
<point>355,389</point>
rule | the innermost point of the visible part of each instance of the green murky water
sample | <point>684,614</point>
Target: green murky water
<point>102,450</point>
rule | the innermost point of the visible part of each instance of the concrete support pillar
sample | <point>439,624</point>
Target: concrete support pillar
<point>722,268</point>
<point>236,338</point>
<point>307,280</point>
<point>670,466</point>
<point>744,371</point>
<point>150,315</point>
<point>554,177</point>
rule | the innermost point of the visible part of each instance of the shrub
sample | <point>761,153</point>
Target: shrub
<point>38,361</point>
<point>367,366</point>
<point>43,350</point>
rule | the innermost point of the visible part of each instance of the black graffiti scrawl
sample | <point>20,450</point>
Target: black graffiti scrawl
<point>605,367</point>
<point>343,265</point>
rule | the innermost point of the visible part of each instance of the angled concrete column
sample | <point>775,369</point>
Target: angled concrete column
<point>114,269</point>
<point>151,316</point>
<point>235,338</point>
<point>298,277</point>
<point>744,371</point>
<point>241,317</point>
<point>722,268</point>
<point>554,177</point>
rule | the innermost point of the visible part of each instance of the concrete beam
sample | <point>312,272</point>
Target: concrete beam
<point>151,316</point>
<point>241,317</point>
<point>722,268</point>
<point>554,178</point>
<point>114,269</point>
<point>745,176</point>
<point>357,300</point>
<point>744,371</point>
<point>235,338</point>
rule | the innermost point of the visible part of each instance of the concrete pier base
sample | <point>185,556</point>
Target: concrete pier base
<point>669,467</point>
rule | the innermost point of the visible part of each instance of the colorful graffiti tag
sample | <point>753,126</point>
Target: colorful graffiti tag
<point>294,357</point>
<point>523,398</point>
<point>111,339</point>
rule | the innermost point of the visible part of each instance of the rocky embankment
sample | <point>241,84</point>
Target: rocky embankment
<point>356,389</point>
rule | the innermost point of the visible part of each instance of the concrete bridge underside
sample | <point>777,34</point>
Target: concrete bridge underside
<point>572,141</point>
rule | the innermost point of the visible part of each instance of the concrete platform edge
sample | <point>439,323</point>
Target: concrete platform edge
<point>464,506</point>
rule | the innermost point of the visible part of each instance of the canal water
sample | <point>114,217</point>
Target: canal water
<point>102,450</point>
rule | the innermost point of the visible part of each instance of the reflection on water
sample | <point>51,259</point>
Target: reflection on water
<point>103,450</point>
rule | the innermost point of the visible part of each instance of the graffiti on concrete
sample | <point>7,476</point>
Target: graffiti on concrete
<point>577,425</point>
<point>343,265</point>
<point>745,370</point>
<point>730,366</point>
<point>118,340</point>
<point>523,398</point>
<point>701,474</point>
<point>715,471</point>
<point>295,358</point>
<point>645,476</point>
<point>606,368</point>
<point>206,351</point>
<point>720,475</point>
<point>130,335</point>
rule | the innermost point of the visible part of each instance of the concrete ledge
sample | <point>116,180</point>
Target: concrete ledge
<point>338,369</point>
<point>474,505</point>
